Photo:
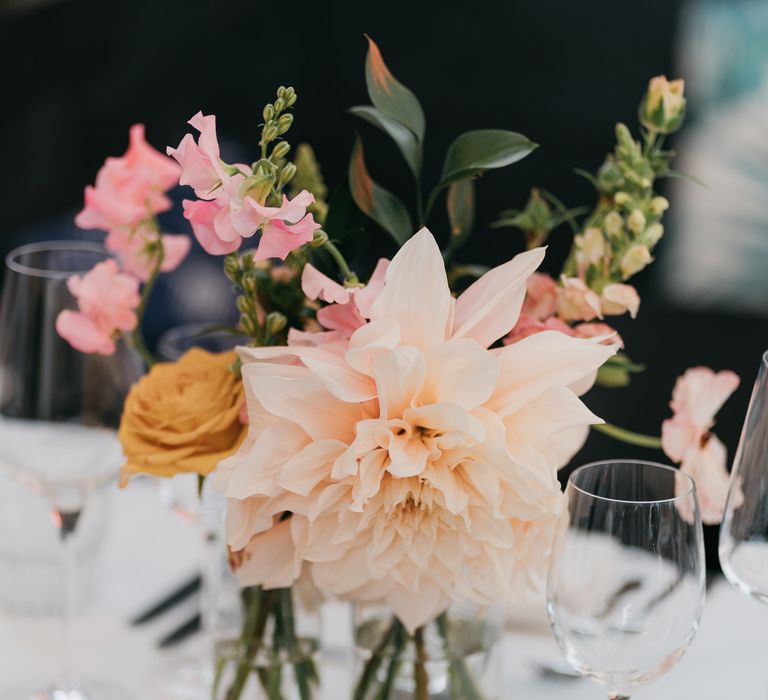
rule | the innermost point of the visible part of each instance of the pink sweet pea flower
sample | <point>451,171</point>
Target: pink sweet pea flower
<point>576,301</point>
<point>131,249</point>
<point>107,300</point>
<point>596,330</point>
<point>348,309</point>
<point>541,297</point>
<point>130,187</point>
<point>204,216</point>
<point>201,165</point>
<point>686,437</point>
<point>530,325</point>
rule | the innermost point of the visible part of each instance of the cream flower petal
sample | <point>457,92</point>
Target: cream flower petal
<point>399,376</point>
<point>244,520</point>
<point>460,372</point>
<point>306,402</point>
<point>532,365</point>
<point>416,609</point>
<point>367,341</point>
<point>416,294</point>
<point>365,297</point>
<point>408,457</point>
<point>490,307</point>
<point>271,559</point>
<point>304,471</point>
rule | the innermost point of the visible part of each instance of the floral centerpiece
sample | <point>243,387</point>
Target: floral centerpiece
<point>392,438</point>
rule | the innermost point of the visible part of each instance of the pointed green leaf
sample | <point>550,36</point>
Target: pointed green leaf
<point>461,208</point>
<point>391,96</point>
<point>401,135</point>
<point>376,202</point>
<point>476,151</point>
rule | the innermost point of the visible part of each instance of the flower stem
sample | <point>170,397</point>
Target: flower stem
<point>420,675</point>
<point>372,665</point>
<point>349,276</point>
<point>463,686</point>
<point>650,441</point>
<point>137,337</point>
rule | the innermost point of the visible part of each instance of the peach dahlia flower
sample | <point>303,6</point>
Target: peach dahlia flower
<point>418,466</point>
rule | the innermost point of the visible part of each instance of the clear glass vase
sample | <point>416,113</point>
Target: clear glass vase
<point>454,657</point>
<point>267,642</point>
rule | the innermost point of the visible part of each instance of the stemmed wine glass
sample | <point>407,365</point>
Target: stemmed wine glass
<point>626,583</point>
<point>744,531</point>
<point>59,410</point>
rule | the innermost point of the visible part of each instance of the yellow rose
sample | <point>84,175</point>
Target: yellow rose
<point>183,416</point>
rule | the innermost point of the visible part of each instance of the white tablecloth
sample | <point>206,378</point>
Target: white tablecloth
<point>149,550</point>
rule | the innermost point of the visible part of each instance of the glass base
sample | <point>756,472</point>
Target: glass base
<point>89,690</point>
<point>191,679</point>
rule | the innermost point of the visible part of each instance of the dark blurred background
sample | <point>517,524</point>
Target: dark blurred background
<point>76,74</point>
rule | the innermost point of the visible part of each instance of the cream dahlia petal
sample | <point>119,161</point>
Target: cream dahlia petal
<point>244,520</point>
<point>416,294</point>
<point>367,341</point>
<point>271,559</point>
<point>399,376</point>
<point>460,372</point>
<point>306,402</point>
<point>532,365</point>
<point>416,609</point>
<point>302,472</point>
<point>490,307</point>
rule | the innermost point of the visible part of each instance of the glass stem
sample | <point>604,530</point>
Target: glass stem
<point>67,523</point>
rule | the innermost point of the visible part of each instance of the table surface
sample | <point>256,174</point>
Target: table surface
<point>149,550</point>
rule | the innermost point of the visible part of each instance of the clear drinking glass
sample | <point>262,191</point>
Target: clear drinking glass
<point>192,677</point>
<point>59,410</point>
<point>744,531</point>
<point>626,582</point>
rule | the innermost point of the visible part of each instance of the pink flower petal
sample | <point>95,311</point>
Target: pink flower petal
<point>202,215</point>
<point>316,285</point>
<point>83,334</point>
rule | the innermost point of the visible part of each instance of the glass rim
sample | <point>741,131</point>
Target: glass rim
<point>13,264</point>
<point>765,359</point>
<point>642,462</point>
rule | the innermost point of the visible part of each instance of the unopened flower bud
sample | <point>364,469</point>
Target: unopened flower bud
<point>248,283</point>
<point>593,245</point>
<point>290,97</point>
<point>636,221</point>
<point>634,260</point>
<point>248,326</point>
<point>281,149</point>
<point>242,304</point>
<point>275,323</point>
<point>659,205</point>
<point>622,198</point>
<point>279,104</point>
<point>287,173</point>
<point>624,136</point>
<point>270,132</point>
<point>268,114</point>
<point>319,239</point>
<point>247,260</point>
<point>663,107</point>
<point>653,234</point>
<point>281,91</point>
<point>232,268</point>
<point>284,123</point>
<point>613,224</point>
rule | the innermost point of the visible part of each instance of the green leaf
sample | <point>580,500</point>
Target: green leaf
<point>461,209</point>
<point>401,135</point>
<point>391,96</point>
<point>376,202</point>
<point>344,226</point>
<point>477,151</point>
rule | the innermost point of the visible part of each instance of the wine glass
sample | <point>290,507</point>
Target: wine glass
<point>744,531</point>
<point>625,589</point>
<point>59,410</point>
